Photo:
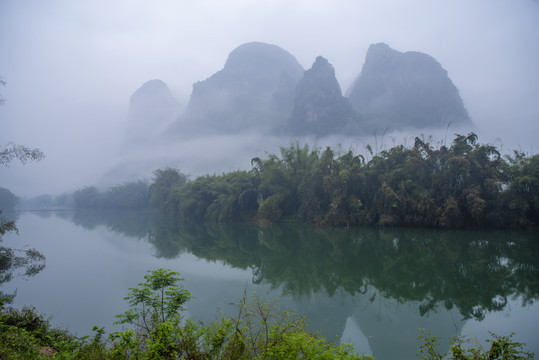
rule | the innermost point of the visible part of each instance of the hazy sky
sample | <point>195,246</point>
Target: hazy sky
<point>71,66</point>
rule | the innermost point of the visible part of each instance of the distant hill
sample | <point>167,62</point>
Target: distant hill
<point>151,108</point>
<point>255,89</point>
<point>263,87</point>
<point>319,107</point>
<point>401,91</point>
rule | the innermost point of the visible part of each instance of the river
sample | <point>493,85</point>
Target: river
<point>372,287</point>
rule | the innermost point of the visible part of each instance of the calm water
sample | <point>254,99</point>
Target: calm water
<point>372,287</point>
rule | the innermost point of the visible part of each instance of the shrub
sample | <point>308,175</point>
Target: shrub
<point>501,347</point>
<point>260,330</point>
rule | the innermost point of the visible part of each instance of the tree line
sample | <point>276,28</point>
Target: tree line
<point>466,184</point>
<point>129,195</point>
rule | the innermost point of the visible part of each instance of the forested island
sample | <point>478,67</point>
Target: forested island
<point>464,185</point>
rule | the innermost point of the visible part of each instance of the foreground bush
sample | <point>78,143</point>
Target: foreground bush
<point>259,330</point>
<point>25,334</point>
<point>501,347</point>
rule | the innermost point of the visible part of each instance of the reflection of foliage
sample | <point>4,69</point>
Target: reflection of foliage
<point>6,226</point>
<point>474,271</point>
<point>31,260</point>
<point>229,242</point>
<point>131,223</point>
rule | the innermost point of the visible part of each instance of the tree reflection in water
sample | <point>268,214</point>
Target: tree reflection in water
<point>384,282</point>
<point>474,271</point>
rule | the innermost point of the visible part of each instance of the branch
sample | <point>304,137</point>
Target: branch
<point>21,153</point>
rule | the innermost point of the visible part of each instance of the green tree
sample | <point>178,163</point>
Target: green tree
<point>522,196</point>
<point>159,299</point>
<point>165,184</point>
<point>260,330</point>
<point>465,185</point>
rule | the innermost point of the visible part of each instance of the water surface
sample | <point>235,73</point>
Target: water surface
<point>369,286</point>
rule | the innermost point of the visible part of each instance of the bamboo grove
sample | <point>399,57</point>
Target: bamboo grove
<point>464,185</point>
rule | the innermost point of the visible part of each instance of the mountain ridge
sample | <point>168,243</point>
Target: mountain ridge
<point>263,87</point>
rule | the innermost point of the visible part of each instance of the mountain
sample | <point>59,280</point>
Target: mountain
<point>263,87</point>
<point>402,91</point>
<point>151,108</point>
<point>319,107</point>
<point>255,89</point>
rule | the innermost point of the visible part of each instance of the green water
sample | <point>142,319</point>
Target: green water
<point>374,287</point>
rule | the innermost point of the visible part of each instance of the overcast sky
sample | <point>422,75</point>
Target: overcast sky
<point>71,66</point>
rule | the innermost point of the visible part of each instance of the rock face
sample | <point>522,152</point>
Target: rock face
<point>400,91</point>
<point>255,89</point>
<point>151,109</point>
<point>319,107</point>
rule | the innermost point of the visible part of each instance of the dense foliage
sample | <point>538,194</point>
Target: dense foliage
<point>465,185</point>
